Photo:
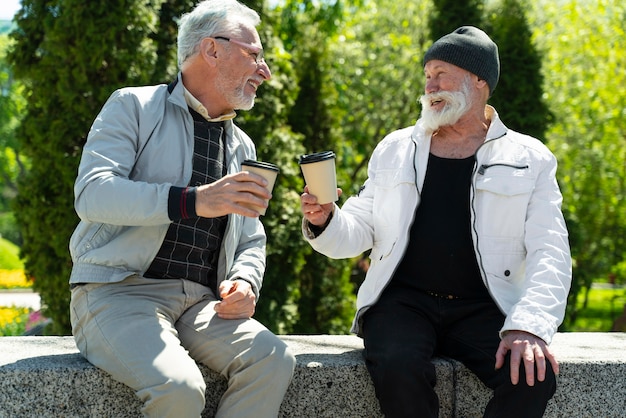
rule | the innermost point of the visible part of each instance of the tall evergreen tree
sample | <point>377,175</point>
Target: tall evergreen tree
<point>164,36</point>
<point>519,95</point>
<point>268,127</point>
<point>325,297</point>
<point>71,55</point>
<point>450,14</point>
<point>12,164</point>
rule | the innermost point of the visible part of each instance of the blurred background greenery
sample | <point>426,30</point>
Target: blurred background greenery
<point>345,73</point>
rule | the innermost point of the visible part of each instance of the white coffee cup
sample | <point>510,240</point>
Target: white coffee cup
<point>268,171</point>
<point>318,170</point>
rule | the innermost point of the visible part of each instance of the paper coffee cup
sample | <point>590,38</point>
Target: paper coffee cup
<point>266,170</point>
<point>318,170</point>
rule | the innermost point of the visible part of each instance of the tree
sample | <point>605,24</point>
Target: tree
<point>346,73</point>
<point>584,45</point>
<point>448,15</point>
<point>12,164</point>
<point>78,54</point>
<point>519,94</point>
<point>70,55</point>
<point>377,72</point>
<point>267,125</point>
<point>324,298</point>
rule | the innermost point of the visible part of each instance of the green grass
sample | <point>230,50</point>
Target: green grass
<point>9,256</point>
<point>603,306</point>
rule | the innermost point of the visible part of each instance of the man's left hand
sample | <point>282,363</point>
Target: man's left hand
<point>530,349</point>
<point>238,300</point>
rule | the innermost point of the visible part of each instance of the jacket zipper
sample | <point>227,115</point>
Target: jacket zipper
<point>481,170</point>
<point>418,196</point>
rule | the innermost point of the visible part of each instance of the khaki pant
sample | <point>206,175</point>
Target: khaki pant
<point>149,333</point>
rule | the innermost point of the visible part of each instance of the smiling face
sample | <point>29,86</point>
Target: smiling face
<point>243,71</point>
<point>450,94</point>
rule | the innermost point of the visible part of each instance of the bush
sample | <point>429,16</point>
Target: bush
<point>9,229</point>
<point>13,320</point>
<point>618,273</point>
<point>22,321</point>
<point>14,279</point>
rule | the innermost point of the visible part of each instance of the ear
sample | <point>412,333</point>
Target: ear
<point>480,83</point>
<point>208,50</point>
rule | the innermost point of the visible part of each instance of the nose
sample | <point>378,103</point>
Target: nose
<point>264,70</point>
<point>431,86</point>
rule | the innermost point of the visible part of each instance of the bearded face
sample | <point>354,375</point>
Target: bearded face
<point>238,89</point>
<point>455,105</point>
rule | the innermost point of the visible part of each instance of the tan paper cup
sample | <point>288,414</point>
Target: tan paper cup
<point>318,170</point>
<point>266,170</point>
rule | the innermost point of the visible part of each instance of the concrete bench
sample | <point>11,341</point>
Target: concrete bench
<point>47,377</point>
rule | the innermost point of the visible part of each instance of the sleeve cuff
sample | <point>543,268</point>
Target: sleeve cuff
<point>317,230</point>
<point>181,203</point>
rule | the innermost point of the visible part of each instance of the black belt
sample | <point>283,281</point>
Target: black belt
<point>442,295</point>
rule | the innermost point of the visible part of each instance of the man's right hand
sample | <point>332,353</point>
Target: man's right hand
<point>313,212</point>
<point>229,195</point>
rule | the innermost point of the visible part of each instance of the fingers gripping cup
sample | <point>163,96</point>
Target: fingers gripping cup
<point>319,174</point>
<point>266,170</point>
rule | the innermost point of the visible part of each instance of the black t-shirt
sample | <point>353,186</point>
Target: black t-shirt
<point>440,256</point>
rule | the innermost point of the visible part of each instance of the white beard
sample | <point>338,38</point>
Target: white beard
<point>232,88</point>
<point>457,103</point>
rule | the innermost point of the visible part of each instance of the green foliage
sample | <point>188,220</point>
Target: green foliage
<point>345,73</point>
<point>584,45</point>
<point>5,26</point>
<point>71,55</point>
<point>448,15</point>
<point>321,302</point>
<point>599,309</point>
<point>164,36</point>
<point>376,68</point>
<point>9,256</point>
<point>13,321</point>
<point>9,229</point>
<point>618,272</point>
<point>102,54</point>
<point>518,96</point>
<point>12,164</point>
<point>277,143</point>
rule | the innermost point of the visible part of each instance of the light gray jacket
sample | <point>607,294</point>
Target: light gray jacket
<point>519,233</point>
<point>139,146</point>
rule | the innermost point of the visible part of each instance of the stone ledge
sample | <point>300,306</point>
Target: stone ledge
<point>47,377</point>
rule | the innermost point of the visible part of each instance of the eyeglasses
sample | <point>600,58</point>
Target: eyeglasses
<point>254,51</point>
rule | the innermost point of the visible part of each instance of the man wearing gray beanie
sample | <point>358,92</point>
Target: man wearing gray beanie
<point>469,250</point>
<point>471,49</point>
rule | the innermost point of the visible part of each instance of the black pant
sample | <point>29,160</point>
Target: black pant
<point>407,328</point>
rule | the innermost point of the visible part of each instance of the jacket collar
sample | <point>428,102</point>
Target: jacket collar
<point>180,96</point>
<point>497,129</point>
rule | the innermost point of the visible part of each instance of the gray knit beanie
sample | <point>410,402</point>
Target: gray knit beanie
<point>471,49</point>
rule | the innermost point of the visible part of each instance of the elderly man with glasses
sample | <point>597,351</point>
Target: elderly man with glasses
<point>168,257</point>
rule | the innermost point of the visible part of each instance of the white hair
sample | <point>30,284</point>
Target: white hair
<point>210,18</point>
<point>457,103</point>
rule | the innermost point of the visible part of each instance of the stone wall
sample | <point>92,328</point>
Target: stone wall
<point>47,377</point>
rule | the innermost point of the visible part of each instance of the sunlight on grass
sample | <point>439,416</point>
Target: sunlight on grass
<point>603,306</point>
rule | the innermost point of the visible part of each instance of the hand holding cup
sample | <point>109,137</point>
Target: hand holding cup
<point>266,170</point>
<point>319,174</point>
